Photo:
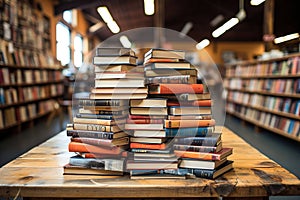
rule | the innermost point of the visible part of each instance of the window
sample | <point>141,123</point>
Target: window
<point>63,42</point>
<point>68,16</point>
<point>78,50</point>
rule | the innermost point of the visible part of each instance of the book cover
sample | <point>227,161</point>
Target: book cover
<point>101,102</point>
<point>111,83</point>
<point>199,141</point>
<point>136,145</point>
<point>204,155</point>
<point>102,142</point>
<point>106,122</point>
<point>95,134</point>
<point>175,88</point>
<point>168,65</point>
<point>78,170</point>
<point>200,164</point>
<point>151,165</point>
<point>149,102</point>
<point>144,121</point>
<point>86,148</point>
<point>148,111</point>
<point>180,79</point>
<point>169,72</point>
<point>149,140</point>
<point>165,53</point>
<point>198,148</point>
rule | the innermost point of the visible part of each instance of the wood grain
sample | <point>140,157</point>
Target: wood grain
<point>39,173</point>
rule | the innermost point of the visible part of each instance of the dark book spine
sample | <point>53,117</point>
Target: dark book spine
<point>99,102</point>
<point>203,173</point>
<point>188,132</point>
<point>207,141</point>
<point>171,79</point>
<point>109,112</point>
<point>90,134</point>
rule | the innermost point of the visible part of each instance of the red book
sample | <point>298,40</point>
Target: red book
<point>106,143</point>
<point>87,148</point>
<point>176,88</point>
<point>95,155</point>
<point>203,155</point>
<point>135,145</point>
<point>191,103</point>
<point>144,121</point>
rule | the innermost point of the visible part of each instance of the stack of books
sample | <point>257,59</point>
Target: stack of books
<point>188,130</point>
<point>97,134</point>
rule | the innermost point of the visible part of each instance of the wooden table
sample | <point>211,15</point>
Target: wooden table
<point>39,173</point>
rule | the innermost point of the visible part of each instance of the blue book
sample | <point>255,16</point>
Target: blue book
<point>189,132</point>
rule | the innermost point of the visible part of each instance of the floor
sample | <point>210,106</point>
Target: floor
<point>284,151</point>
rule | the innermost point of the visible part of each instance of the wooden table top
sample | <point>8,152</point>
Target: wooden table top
<point>39,173</point>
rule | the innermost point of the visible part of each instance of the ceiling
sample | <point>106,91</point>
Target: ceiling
<point>129,14</point>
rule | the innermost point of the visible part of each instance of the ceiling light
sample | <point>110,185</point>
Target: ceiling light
<point>96,27</point>
<point>228,25</point>
<point>286,38</point>
<point>256,2</point>
<point>149,7</point>
<point>125,41</point>
<point>113,26</point>
<point>187,27</point>
<point>201,45</point>
<point>105,14</point>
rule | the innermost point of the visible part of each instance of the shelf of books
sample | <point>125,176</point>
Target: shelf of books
<point>152,121</point>
<point>266,93</point>
<point>30,79</point>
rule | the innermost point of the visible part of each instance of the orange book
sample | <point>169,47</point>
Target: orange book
<point>206,103</point>
<point>188,123</point>
<point>95,155</point>
<point>176,89</point>
<point>87,148</point>
<point>144,121</point>
<point>154,60</point>
<point>203,155</point>
<point>135,145</point>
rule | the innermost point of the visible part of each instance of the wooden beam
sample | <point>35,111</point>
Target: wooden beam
<point>268,24</point>
<point>75,4</point>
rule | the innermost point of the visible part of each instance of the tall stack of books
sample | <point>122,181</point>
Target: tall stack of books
<point>97,134</point>
<point>188,128</point>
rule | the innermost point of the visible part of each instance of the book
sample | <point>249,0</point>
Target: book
<point>168,65</point>
<point>163,53</point>
<point>149,133</point>
<point>144,126</point>
<point>147,140</point>
<point>175,88</point>
<point>150,165</point>
<point>189,117</point>
<point>154,175</point>
<point>105,108</point>
<point>108,60</point>
<point>179,79</point>
<point>198,148</point>
<point>114,51</point>
<point>148,111</point>
<point>86,148</point>
<point>95,116</point>
<point>101,102</point>
<point>188,123</point>
<point>118,96</point>
<point>169,72</point>
<point>112,83</point>
<point>200,164</point>
<point>203,155</point>
<point>78,170</point>
<point>106,122</point>
<point>106,164</point>
<point>149,102</point>
<point>119,90</point>
<point>136,145</point>
<point>144,121</point>
<point>95,134</point>
<point>204,103</point>
<point>182,97</point>
<point>149,59</point>
<point>120,75</point>
<point>102,112</point>
<point>153,154</point>
<point>117,68</point>
<point>189,132</point>
<point>191,110</point>
<point>102,142</point>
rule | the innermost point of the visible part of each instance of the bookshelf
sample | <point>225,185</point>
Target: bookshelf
<point>266,93</point>
<point>30,79</point>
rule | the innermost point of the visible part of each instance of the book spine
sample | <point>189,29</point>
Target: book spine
<point>197,155</point>
<point>99,102</point>
<point>94,121</point>
<point>193,148</point>
<point>203,173</point>
<point>176,88</point>
<point>94,127</point>
<point>185,79</point>
<point>144,121</point>
<point>188,123</point>
<point>189,132</point>
<point>93,116</point>
<point>93,141</point>
<point>146,146</point>
<point>100,135</point>
<point>207,141</point>
<point>86,148</point>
